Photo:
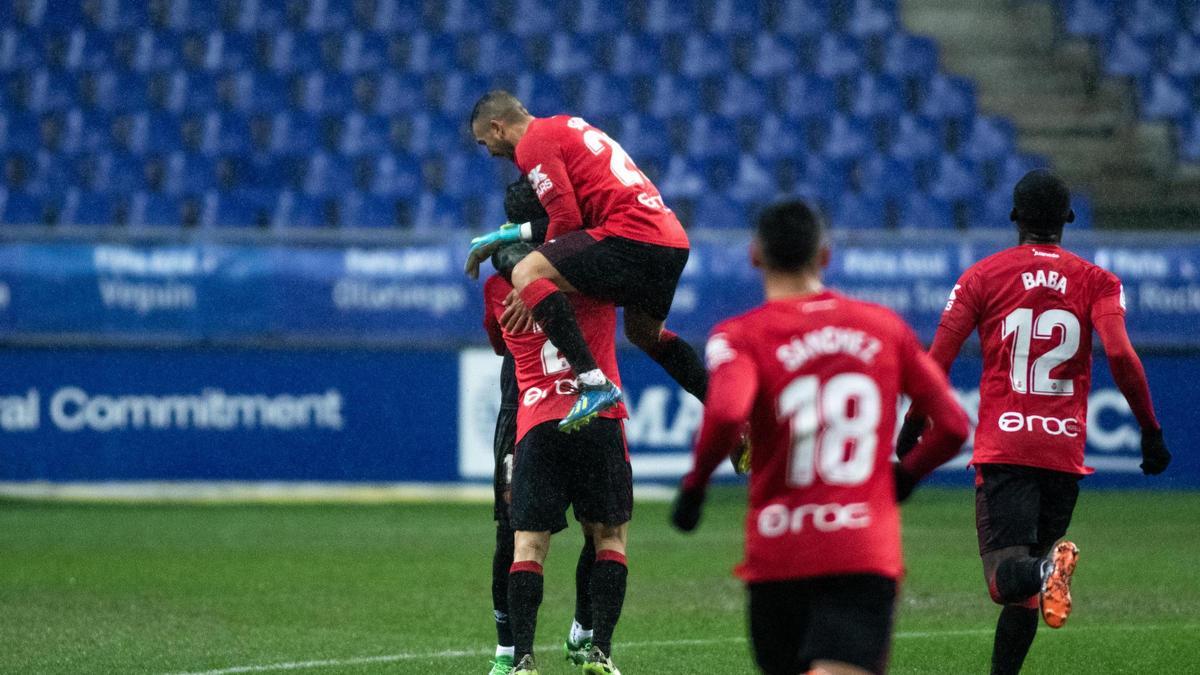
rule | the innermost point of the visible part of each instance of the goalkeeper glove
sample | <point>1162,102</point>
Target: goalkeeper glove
<point>1155,456</point>
<point>484,246</point>
<point>685,512</point>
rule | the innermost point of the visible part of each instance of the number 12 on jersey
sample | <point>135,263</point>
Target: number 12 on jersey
<point>1021,324</point>
<point>824,423</point>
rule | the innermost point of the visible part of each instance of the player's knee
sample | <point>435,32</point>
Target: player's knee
<point>531,546</point>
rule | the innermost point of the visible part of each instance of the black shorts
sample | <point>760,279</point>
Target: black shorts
<point>628,273</point>
<point>502,445</point>
<point>588,469</point>
<point>1022,506</point>
<point>845,618</point>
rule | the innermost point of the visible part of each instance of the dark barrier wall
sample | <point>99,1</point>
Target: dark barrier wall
<point>332,415</point>
<point>417,294</point>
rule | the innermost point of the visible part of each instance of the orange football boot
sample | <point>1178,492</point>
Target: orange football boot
<point>1055,598</point>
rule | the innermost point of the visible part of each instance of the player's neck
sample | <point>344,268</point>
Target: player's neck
<point>519,129</point>
<point>779,286</point>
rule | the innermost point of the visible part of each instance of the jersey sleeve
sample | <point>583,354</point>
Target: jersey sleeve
<point>926,383</point>
<point>541,159</point>
<point>1126,368</point>
<point>1109,296</point>
<point>493,301</point>
<point>732,386</point>
<point>962,311</point>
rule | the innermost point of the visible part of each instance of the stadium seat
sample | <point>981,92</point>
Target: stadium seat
<point>1184,58</point>
<point>1127,56</point>
<point>754,182</point>
<point>434,133</point>
<point>630,54</point>
<point>87,208</point>
<point>875,96</point>
<point>400,93</point>
<point>400,16</point>
<point>742,97</point>
<point>1151,19</point>
<point>715,210</point>
<point>870,18</point>
<point>849,138</point>
<point>997,205</point>
<point>672,97</point>
<point>806,96</point>
<point>327,175</point>
<point>1088,18</point>
<point>838,55</point>
<point>153,209</point>
<point>644,136</point>
<point>1187,139</point>
<point>239,209</point>
<point>684,178</point>
<point>857,211</point>
<point>733,17</point>
<point>955,179</point>
<point>669,17</point>
<point>50,91</point>
<point>293,209</point>
<point>885,177</point>
<point>533,17</point>
<point>19,132</point>
<point>18,208</point>
<point>367,211</point>
<point>50,174</point>
<point>431,53</point>
<point>1164,98</point>
<point>569,55</point>
<point>772,56</point>
<point>704,55</point>
<point>362,134</point>
<point>910,56</point>
<point>606,96</point>
<point>826,177</point>
<point>437,213</point>
<point>466,16</point>
<point>802,17</point>
<point>920,211</point>
<point>712,137</point>
<point>915,139</point>
<point>990,138</point>
<point>946,97</point>
<point>470,175</point>
<point>293,53</point>
<point>189,174</point>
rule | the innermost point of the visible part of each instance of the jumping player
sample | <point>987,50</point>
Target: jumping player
<point>817,375</point>
<point>1035,306</point>
<point>610,237</point>
<point>552,470</point>
<point>521,205</point>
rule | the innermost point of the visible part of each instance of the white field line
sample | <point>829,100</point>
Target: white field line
<point>475,653</point>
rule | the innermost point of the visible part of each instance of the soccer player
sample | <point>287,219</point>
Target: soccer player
<point>817,375</point>
<point>610,237</point>
<point>552,470</point>
<point>521,205</point>
<point>1035,306</point>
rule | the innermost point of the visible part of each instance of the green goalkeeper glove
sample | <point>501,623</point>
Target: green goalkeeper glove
<point>484,246</point>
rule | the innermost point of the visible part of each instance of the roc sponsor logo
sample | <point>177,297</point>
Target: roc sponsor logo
<point>777,520</point>
<point>1012,422</point>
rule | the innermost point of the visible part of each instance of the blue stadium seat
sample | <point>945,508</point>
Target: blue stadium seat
<point>1152,19</point>
<point>955,179</point>
<point>88,50</point>
<point>191,90</point>
<point>634,54</point>
<point>155,132</point>
<point>754,182</point>
<point>533,17</point>
<point>154,209</point>
<point>459,91</point>
<point>396,175</point>
<point>19,208</point>
<point>569,55</point>
<point>1164,98</point>
<point>684,178</point>
<point>712,137</point>
<point>704,55</point>
<point>499,53</point>
<point>806,96</point>
<point>828,178</point>
<point>990,138</point>
<point>434,133</point>
<point>437,213</point>
<point>734,17</point>
<point>466,16</point>
<point>1184,58</point>
<point>797,18</point>
<point>1088,18</point>
<point>369,211</point>
<point>597,17</point>
<point>19,132</point>
<point>838,55</point>
<point>470,175</point>
<point>50,174</point>
<point>780,137</point>
<point>293,209</point>
<point>673,97</point>
<point>606,96</point>
<point>849,138</point>
<point>21,50</point>
<point>364,52</point>
<point>327,175</point>
<point>644,137</point>
<point>869,18</point>
<point>947,97</point>
<point>910,56</point>
<point>885,177</point>
<point>1126,56</point>
<point>997,205</point>
<point>236,209</point>
<point>327,16</point>
<point>876,96</point>
<point>326,93</point>
<point>50,90</point>
<point>85,131</point>
<point>915,138</point>
<point>87,208</point>
<point>189,174</point>
<point>920,211</point>
<point>773,56</point>
<point>293,132</point>
<point>669,17</point>
<point>541,94</point>
<point>431,53</point>
<point>362,134</point>
<point>715,210</point>
<point>857,211</point>
<point>117,172</point>
<point>742,97</point>
<point>400,93</point>
<point>291,52</point>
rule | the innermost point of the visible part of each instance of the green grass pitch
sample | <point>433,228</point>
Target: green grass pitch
<point>404,588</point>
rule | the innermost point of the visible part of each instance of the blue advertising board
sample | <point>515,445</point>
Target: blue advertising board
<point>401,416</point>
<point>418,295</point>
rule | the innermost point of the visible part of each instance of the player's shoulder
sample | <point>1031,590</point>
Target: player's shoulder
<point>873,314</point>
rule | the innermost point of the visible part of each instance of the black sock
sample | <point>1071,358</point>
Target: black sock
<point>1018,578</point>
<point>557,318</point>
<point>681,362</point>
<point>524,598</point>
<point>1014,635</point>
<point>583,584</point>
<point>501,562</point>
<point>608,595</point>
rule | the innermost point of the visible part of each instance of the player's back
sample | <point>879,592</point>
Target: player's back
<point>614,196</point>
<point>822,498</point>
<point>1034,306</point>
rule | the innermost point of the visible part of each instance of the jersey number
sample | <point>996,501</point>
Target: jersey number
<point>552,360</point>
<point>823,424</point>
<point>622,167</point>
<point>1020,322</point>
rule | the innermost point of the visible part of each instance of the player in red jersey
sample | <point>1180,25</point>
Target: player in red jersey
<point>610,236</point>
<point>1035,306</point>
<point>817,375</point>
<point>552,470</point>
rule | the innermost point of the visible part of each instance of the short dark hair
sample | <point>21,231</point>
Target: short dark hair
<point>498,104</point>
<point>1041,202</point>
<point>789,235</point>
<point>521,204</point>
<point>505,258</point>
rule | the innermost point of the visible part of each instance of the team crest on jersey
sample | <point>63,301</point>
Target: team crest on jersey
<point>540,181</point>
<point>718,351</point>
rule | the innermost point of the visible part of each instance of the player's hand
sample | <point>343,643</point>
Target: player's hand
<point>910,433</point>
<point>516,317</point>
<point>484,246</point>
<point>685,512</point>
<point>905,482</point>
<point>1155,456</point>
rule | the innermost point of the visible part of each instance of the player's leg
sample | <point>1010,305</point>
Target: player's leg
<point>539,502</point>
<point>579,640</point>
<point>779,622</point>
<point>502,560</point>
<point>668,350</point>
<point>544,290</point>
<point>1059,494</point>
<point>851,631</point>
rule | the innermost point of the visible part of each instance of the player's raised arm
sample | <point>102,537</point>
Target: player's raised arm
<point>925,382</point>
<point>733,383</point>
<point>1130,378</point>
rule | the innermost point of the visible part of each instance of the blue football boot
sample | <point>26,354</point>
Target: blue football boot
<point>592,401</point>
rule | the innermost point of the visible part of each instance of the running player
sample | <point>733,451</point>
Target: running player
<point>610,237</point>
<point>552,470</point>
<point>817,375</point>
<point>1035,306</point>
<point>521,205</point>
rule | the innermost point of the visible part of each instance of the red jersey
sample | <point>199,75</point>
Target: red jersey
<point>586,180</point>
<point>1034,306</point>
<point>543,375</point>
<point>818,378</point>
